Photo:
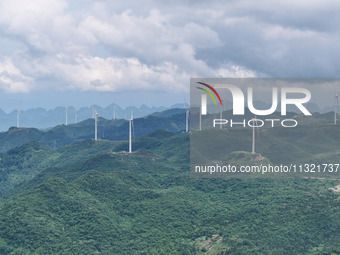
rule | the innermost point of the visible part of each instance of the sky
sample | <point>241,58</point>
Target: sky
<point>79,52</point>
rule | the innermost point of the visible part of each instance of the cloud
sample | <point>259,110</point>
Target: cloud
<point>154,46</point>
<point>40,24</point>
<point>12,80</point>
<point>234,71</point>
<point>119,74</point>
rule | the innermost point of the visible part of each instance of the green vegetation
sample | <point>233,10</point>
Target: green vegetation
<point>93,198</point>
<point>114,130</point>
<point>313,144</point>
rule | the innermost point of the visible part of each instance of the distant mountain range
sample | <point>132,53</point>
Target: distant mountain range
<point>172,120</point>
<point>91,197</point>
<point>41,118</point>
<point>312,107</point>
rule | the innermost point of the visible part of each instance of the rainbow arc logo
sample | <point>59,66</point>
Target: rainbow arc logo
<point>209,93</point>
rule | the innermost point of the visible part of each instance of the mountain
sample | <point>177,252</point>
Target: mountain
<point>41,118</point>
<point>171,120</point>
<point>312,144</point>
<point>168,113</point>
<point>26,162</point>
<point>91,198</point>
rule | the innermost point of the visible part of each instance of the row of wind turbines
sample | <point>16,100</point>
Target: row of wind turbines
<point>94,112</point>
<point>336,106</point>
<point>95,115</point>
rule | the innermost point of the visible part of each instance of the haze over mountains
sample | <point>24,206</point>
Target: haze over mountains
<point>42,118</point>
<point>171,120</point>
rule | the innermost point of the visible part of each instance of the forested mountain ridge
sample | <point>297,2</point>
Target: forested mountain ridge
<point>92,197</point>
<point>116,130</point>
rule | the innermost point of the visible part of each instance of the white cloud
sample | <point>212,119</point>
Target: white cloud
<point>113,74</point>
<point>109,46</point>
<point>11,78</point>
<point>235,71</point>
<point>41,24</point>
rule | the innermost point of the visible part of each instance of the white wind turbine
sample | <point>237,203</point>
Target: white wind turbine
<point>66,117</point>
<point>258,133</point>
<point>200,124</point>
<point>93,110</point>
<point>221,111</point>
<point>18,117</point>
<point>130,132</point>
<point>203,109</point>
<point>96,126</point>
<point>114,112</point>
<point>253,142</point>
<point>336,104</point>
<point>187,121</point>
<point>186,117</point>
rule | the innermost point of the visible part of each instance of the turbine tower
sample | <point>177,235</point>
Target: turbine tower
<point>93,110</point>
<point>200,124</point>
<point>253,142</point>
<point>114,112</point>
<point>96,126</point>
<point>18,117</point>
<point>76,118</point>
<point>66,112</point>
<point>221,113</point>
<point>203,109</point>
<point>130,132</point>
<point>336,107</point>
<point>187,121</point>
<point>186,117</point>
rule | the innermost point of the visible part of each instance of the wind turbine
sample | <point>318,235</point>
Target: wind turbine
<point>203,109</point>
<point>114,112</point>
<point>18,117</point>
<point>93,110</point>
<point>186,117</point>
<point>253,142</point>
<point>96,126</point>
<point>336,107</point>
<point>130,132</point>
<point>76,118</point>
<point>200,124</point>
<point>66,112</point>
<point>221,113</point>
<point>187,121</point>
